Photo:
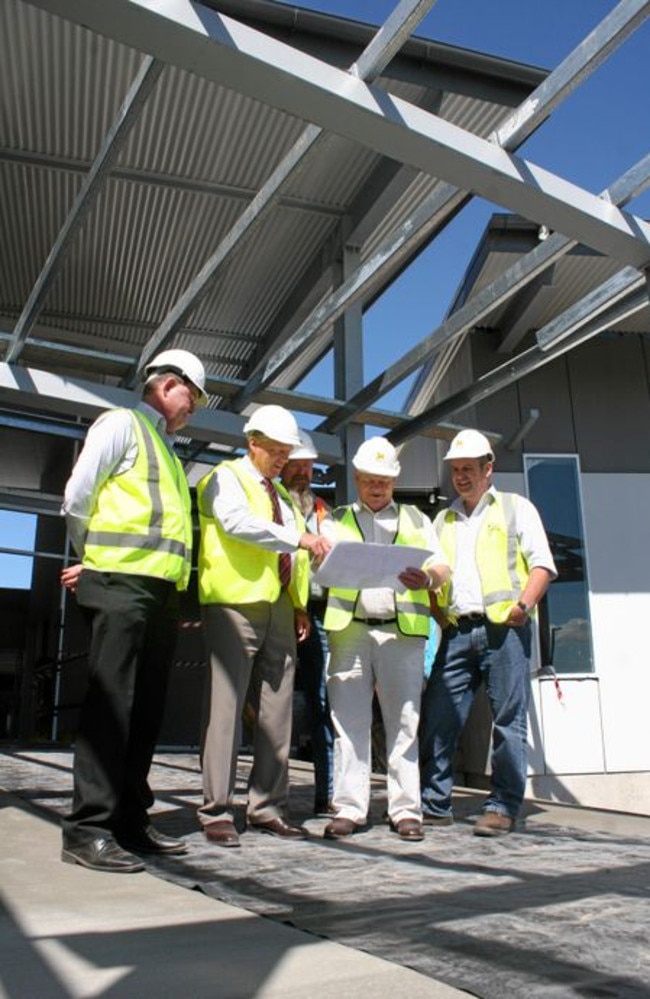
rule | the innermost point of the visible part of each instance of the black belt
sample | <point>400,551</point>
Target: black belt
<point>375,622</point>
<point>471,620</point>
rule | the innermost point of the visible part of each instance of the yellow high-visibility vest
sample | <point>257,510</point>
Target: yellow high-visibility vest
<point>142,521</point>
<point>501,564</point>
<point>236,572</point>
<point>412,607</point>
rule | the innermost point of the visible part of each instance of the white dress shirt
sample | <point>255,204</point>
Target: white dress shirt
<point>466,589</point>
<point>225,496</point>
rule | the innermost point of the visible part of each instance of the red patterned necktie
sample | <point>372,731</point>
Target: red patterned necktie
<point>284,559</point>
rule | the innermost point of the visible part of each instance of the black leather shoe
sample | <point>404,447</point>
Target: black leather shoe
<point>101,854</point>
<point>150,840</point>
<point>278,827</point>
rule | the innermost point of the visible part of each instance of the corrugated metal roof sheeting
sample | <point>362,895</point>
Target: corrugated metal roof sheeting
<point>34,203</point>
<point>336,172</point>
<point>191,162</point>
<point>61,85</point>
<point>190,127</point>
<point>284,234</point>
<point>142,245</point>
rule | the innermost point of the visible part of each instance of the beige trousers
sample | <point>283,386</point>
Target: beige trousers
<point>251,647</point>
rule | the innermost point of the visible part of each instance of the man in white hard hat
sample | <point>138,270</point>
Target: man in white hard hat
<point>501,568</point>
<point>296,477</point>
<point>377,637</point>
<point>253,588</point>
<point>128,513</point>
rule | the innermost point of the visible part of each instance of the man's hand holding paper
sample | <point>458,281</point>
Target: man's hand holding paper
<point>356,565</point>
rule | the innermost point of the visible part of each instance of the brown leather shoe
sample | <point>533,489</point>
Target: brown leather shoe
<point>408,829</point>
<point>278,827</point>
<point>222,833</point>
<point>493,824</point>
<point>339,828</point>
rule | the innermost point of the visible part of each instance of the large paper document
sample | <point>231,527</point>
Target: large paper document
<point>356,564</point>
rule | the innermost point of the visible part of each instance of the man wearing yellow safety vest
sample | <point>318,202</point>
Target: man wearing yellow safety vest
<point>313,653</point>
<point>127,509</point>
<point>253,587</point>
<point>501,568</point>
<point>377,637</point>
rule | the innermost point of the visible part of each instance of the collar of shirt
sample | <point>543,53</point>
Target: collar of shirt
<point>286,508</point>
<point>250,468</point>
<point>154,417</point>
<point>486,499</point>
<point>391,509</point>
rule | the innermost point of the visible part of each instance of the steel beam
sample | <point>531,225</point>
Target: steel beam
<point>173,182</point>
<point>620,287</point>
<point>522,309</point>
<point>439,207</point>
<point>301,402</point>
<point>227,52</point>
<point>622,296</point>
<point>528,268</point>
<point>387,41</point>
<point>27,387</point>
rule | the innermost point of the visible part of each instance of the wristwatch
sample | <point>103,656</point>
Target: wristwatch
<point>523,606</point>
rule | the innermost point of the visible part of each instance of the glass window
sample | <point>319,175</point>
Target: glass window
<point>565,622</point>
<point>17,533</point>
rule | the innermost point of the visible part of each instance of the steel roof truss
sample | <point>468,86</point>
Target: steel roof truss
<point>187,35</point>
<point>443,203</point>
<point>406,16</point>
<point>623,295</point>
<point>528,268</point>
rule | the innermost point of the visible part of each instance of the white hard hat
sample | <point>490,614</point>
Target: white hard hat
<point>469,444</point>
<point>182,363</point>
<point>377,456</point>
<point>276,423</point>
<point>305,449</point>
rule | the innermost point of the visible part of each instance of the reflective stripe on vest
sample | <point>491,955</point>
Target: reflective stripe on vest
<point>501,565</point>
<point>150,506</point>
<point>238,572</point>
<point>411,606</point>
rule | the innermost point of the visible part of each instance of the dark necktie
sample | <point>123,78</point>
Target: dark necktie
<point>284,559</point>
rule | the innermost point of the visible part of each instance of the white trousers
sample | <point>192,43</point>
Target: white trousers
<point>364,659</point>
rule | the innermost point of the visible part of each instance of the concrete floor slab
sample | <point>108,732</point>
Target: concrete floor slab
<point>558,909</point>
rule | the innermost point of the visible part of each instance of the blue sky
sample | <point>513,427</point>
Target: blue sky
<point>16,532</point>
<point>599,131</point>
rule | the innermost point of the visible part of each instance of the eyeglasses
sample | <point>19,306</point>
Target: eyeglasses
<point>194,392</point>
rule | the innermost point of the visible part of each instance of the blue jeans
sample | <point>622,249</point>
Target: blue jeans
<point>472,653</point>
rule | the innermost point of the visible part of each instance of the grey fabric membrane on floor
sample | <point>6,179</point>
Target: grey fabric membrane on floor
<point>560,908</point>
